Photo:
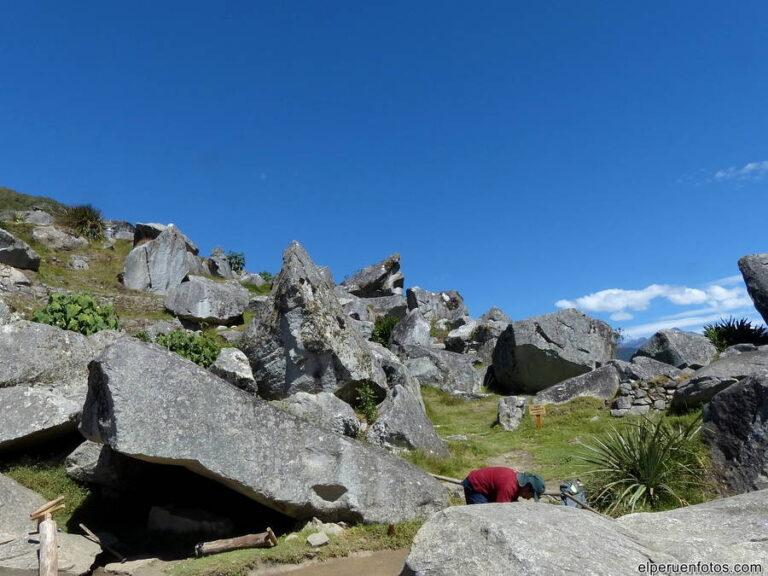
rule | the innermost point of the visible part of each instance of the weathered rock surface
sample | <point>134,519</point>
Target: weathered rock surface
<point>13,280</point>
<point>43,376</point>
<point>58,239</point>
<point>16,253</point>
<point>218,264</point>
<point>381,279</point>
<point>146,231</point>
<point>708,381</point>
<point>252,279</point>
<point>93,463</point>
<point>232,365</point>
<point>354,306</point>
<point>119,230</point>
<point>395,306</point>
<point>536,353</point>
<point>451,372</point>
<point>403,424</point>
<point>644,368</point>
<point>154,405</point>
<point>323,410</point>
<point>36,216</point>
<point>488,540</point>
<point>435,306</point>
<point>413,330</point>
<point>511,412</point>
<point>7,315</point>
<point>204,300</point>
<point>736,429</point>
<point>754,269</point>
<point>302,341</point>
<point>18,551</point>
<point>157,265</point>
<point>600,383</point>
<point>678,348</point>
<point>460,339</point>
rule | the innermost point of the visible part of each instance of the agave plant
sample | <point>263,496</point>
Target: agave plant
<point>728,332</point>
<point>647,464</point>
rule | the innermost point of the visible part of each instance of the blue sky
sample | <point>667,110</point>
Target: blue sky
<point>529,155</point>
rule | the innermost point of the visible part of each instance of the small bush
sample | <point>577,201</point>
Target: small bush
<point>652,464</point>
<point>366,402</point>
<point>85,220</point>
<point>77,312</point>
<point>202,350</point>
<point>382,329</point>
<point>728,332</point>
<point>266,276</point>
<point>236,261</point>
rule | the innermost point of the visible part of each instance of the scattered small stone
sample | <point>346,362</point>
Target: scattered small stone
<point>318,539</point>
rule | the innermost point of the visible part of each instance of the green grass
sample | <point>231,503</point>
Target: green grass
<point>12,200</point>
<point>371,537</point>
<point>263,290</point>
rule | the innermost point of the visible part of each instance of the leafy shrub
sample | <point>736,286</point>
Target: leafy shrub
<point>728,332</point>
<point>651,464</point>
<point>366,402</point>
<point>266,276</point>
<point>77,312</point>
<point>202,350</point>
<point>382,329</point>
<point>236,261</point>
<point>143,336</point>
<point>85,220</point>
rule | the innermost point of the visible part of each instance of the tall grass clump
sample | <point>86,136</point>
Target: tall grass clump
<point>382,329</point>
<point>729,332</point>
<point>85,220</point>
<point>647,465</point>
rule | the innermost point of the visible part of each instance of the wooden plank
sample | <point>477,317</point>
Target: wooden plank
<point>261,540</point>
<point>537,409</point>
<point>49,511</point>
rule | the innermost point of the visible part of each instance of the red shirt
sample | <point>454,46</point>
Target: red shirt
<point>499,484</point>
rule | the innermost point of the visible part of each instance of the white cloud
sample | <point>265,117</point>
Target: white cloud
<point>615,299</point>
<point>621,316</point>
<point>751,171</point>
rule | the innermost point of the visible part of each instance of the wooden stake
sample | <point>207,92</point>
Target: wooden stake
<point>261,540</point>
<point>46,507</point>
<point>48,512</point>
<point>97,540</point>
<point>446,479</point>
<point>49,550</point>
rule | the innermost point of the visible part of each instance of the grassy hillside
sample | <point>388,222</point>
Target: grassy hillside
<point>12,200</point>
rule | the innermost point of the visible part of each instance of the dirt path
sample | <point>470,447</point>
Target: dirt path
<point>383,563</point>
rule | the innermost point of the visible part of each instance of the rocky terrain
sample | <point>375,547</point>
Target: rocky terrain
<point>303,416</point>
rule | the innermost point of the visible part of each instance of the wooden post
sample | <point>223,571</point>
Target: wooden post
<point>537,411</point>
<point>49,549</point>
<point>261,540</point>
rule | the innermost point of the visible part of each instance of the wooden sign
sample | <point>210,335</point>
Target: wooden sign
<point>537,411</point>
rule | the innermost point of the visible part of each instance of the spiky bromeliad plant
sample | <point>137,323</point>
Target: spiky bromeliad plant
<point>650,464</point>
<point>728,332</point>
<point>85,220</point>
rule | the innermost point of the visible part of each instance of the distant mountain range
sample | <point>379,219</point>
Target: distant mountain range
<point>628,347</point>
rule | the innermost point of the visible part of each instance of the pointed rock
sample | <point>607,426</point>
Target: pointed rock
<point>381,279</point>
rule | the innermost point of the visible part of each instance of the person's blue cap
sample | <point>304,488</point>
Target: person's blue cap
<point>536,482</point>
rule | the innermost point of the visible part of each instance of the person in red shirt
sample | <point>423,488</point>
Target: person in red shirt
<point>499,484</point>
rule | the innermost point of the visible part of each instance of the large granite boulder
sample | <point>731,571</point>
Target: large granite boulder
<point>13,280</point>
<point>536,353</point>
<point>528,538</point>
<point>381,279</point>
<point>451,372</point>
<point>323,410</point>
<point>156,265</point>
<point>436,306</point>
<point>43,376</point>
<point>153,405</point>
<point>354,306</point>
<point>58,239</point>
<point>302,341</point>
<point>19,551</point>
<point>461,339</point>
<point>16,253</point>
<point>719,375</point>
<point>218,263</point>
<point>602,383</point>
<point>36,216</point>
<point>413,330</point>
<point>644,368</point>
<point>511,412</point>
<point>147,231</point>
<point>736,429</point>
<point>202,300</point>
<point>678,348</point>
<point>98,464</point>
<point>232,365</point>
<point>403,425</point>
<point>754,269</point>
<point>119,230</point>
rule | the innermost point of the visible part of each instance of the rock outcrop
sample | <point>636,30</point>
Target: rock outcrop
<point>16,253</point>
<point>154,405</point>
<point>301,340</point>
<point>491,541</point>
<point>736,429</point>
<point>679,349</point>
<point>754,269</point>
<point>202,300</point>
<point>381,279</point>
<point>233,366</point>
<point>413,330</point>
<point>158,262</point>
<point>536,353</point>
<point>451,372</point>
<point>436,306</point>
<point>511,412</point>
<point>323,410</point>
<point>719,375</point>
<point>58,239</point>
<point>600,383</point>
